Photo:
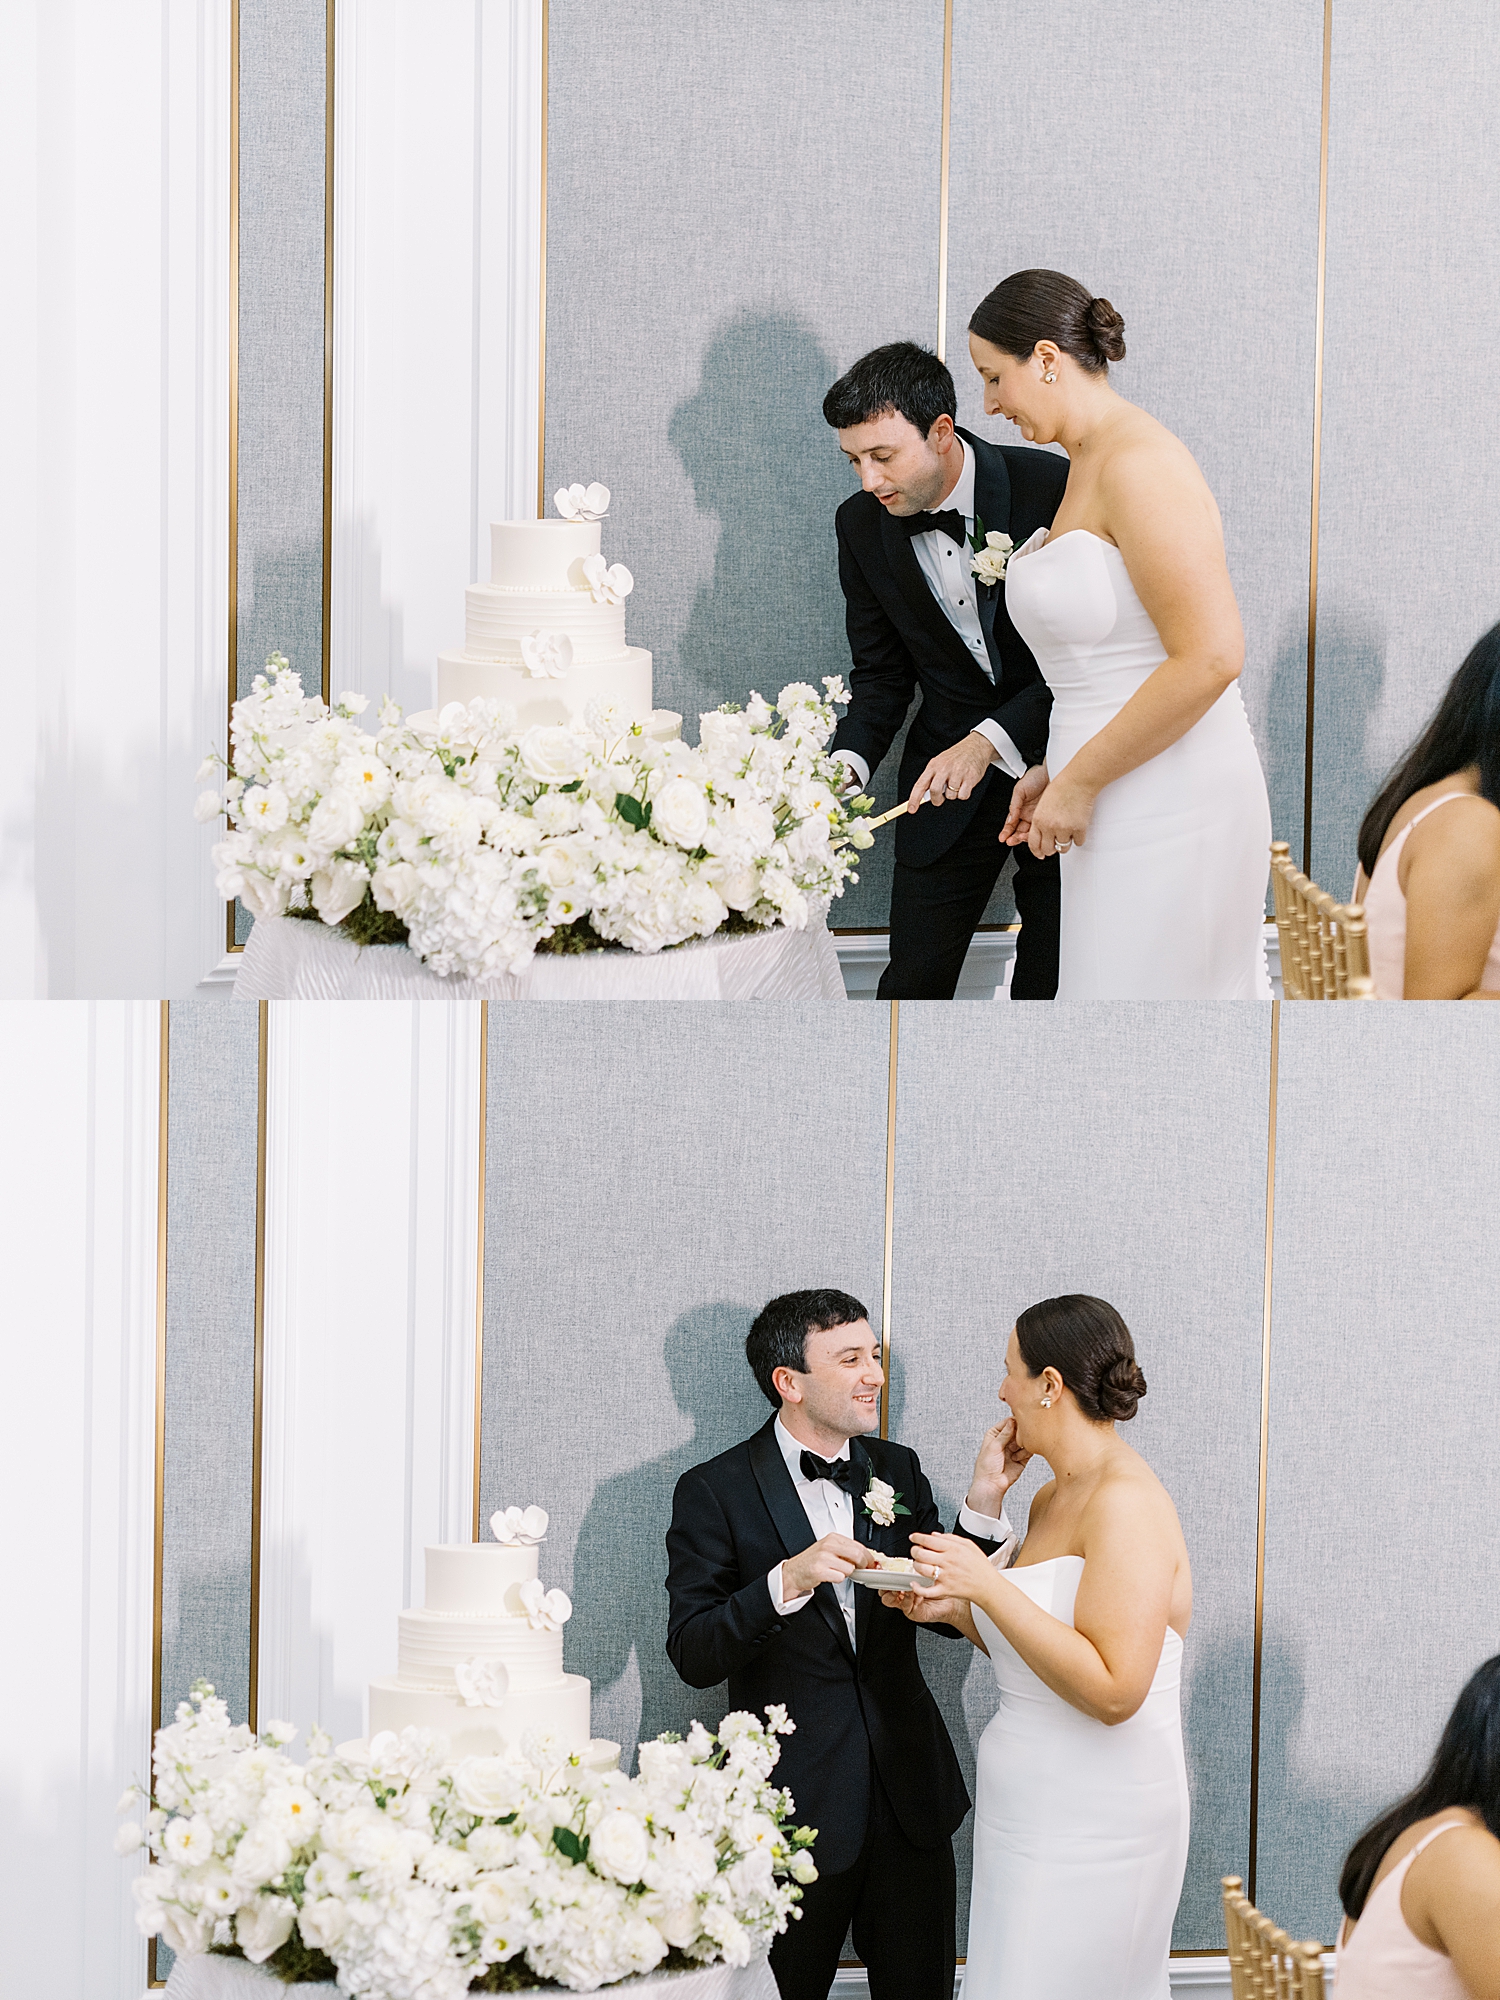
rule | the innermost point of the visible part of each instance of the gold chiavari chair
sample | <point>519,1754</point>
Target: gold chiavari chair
<point>1325,952</point>
<point>1264,1963</point>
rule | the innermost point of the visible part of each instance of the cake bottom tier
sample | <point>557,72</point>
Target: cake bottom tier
<point>561,1710</point>
<point>626,680</point>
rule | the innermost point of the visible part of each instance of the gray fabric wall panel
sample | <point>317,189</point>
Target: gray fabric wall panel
<point>1117,1150</point>
<point>210,1380</point>
<point>726,233</point>
<point>1168,158</point>
<point>282,127</point>
<point>1408,576</point>
<point>1385,1406</point>
<point>655,1174</point>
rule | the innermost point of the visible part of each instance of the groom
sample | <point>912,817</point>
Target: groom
<point>917,618</point>
<point>763,1541</point>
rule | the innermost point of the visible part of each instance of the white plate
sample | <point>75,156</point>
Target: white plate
<point>895,1579</point>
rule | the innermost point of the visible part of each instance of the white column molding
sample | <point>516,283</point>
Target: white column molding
<point>79,1104</point>
<point>114,370</point>
<point>371,1264</point>
<point>437,299</point>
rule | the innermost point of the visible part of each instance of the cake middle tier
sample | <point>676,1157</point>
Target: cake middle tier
<point>432,1643</point>
<point>496,620</point>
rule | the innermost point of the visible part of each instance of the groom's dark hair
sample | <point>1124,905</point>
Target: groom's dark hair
<point>778,1336</point>
<point>902,377</point>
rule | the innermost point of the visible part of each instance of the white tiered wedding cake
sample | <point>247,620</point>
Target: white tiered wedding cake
<point>547,632</point>
<point>482,1661</point>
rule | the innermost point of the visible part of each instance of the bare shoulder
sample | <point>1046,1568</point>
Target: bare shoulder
<point>1145,467</point>
<point>1466,830</point>
<point>1132,1498</point>
<point>1041,1500</point>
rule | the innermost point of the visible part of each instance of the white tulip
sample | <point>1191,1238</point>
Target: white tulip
<point>323,1923</point>
<point>185,1933</point>
<point>263,1926</point>
<point>338,889</point>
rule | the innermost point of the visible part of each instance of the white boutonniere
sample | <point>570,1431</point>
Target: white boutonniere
<point>990,556</point>
<point>883,1503</point>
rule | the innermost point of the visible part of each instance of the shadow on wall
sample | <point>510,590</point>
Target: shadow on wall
<point>1305,1826</point>
<point>1355,741</point>
<point>754,444</point>
<point>620,1565</point>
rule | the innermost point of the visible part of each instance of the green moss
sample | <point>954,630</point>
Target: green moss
<point>294,1963</point>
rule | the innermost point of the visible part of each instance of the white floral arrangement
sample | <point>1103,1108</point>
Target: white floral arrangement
<point>478,844</point>
<point>404,1875</point>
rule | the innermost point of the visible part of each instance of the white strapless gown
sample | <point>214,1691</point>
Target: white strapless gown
<point>1166,899</point>
<point>1080,1830</point>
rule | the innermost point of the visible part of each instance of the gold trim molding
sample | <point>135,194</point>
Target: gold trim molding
<point>257,1423</point>
<point>890,1215</point>
<point>541,364</point>
<point>484,1124</point>
<point>1317,468</point>
<point>1265,1441</point>
<point>159,1497</point>
<point>942,311</point>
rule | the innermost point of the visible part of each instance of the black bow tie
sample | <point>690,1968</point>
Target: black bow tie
<point>842,1471</point>
<point>949,522</point>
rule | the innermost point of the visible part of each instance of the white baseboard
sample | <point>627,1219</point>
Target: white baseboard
<point>987,969</point>
<point>1204,1976</point>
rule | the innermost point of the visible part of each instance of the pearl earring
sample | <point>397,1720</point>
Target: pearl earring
<point>1049,376</point>
<point>1046,1402</point>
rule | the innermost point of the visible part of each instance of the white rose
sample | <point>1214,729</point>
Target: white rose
<point>338,889</point>
<point>263,1926</point>
<point>336,819</point>
<point>263,1855</point>
<point>489,1786</point>
<point>680,1924</point>
<point>265,896</point>
<point>618,1846</point>
<point>553,753</point>
<point>323,1923</point>
<point>185,1934</point>
<point>753,1875</point>
<point>679,812</point>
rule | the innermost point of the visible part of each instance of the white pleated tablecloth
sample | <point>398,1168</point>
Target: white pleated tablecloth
<point>288,958</point>
<point>206,1976</point>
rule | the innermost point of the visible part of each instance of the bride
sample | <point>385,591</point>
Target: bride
<point>1152,792</point>
<point>1081,1817</point>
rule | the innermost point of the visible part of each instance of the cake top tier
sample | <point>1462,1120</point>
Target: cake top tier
<point>540,555</point>
<point>470,1580</point>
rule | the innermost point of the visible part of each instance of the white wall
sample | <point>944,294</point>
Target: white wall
<point>79,1107</point>
<point>372,1233</point>
<point>114,360</point>
<point>437,275</point>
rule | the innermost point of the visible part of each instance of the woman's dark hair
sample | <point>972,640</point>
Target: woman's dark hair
<point>1464,731</point>
<point>1465,1771</point>
<point>1029,306</point>
<point>902,377</point>
<point>1089,1345</point>
<point>778,1336</point>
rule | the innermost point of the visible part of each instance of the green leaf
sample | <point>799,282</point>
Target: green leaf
<point>630,809</point>
<point>567,1842</point>
<point>976,540</point>
<point>576,785</point>
<point>899,1509</point>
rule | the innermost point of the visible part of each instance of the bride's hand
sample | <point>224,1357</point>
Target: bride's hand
<point>956,1563</point>
<point>1060,818</point>
<point>926,1607</point>
<point>1000,1463</point>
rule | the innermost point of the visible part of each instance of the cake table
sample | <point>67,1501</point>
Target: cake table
<point>288,958</point>
<point>208,1977</point>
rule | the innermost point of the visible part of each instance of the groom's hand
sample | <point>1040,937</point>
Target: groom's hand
<point>954,773</point>
<point>828,1561</point>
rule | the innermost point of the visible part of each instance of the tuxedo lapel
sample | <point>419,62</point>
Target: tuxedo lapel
<point>992,506</point>
<point>920,601</point>
<point>791,1522</point>
<point>865,1532</point>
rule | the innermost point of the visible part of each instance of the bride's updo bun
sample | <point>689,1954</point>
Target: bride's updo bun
<point>1090,1346</point>
<point>1029,306</point>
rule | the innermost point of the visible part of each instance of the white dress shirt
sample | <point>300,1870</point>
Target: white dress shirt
<point>946,568</point>
<point>830,1511</point>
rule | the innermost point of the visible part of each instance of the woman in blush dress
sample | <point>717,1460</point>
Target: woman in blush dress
<point>1081,1808</point>
<point>1430,879</point>
<point>1421,1887</point>
<point>1152,790</point>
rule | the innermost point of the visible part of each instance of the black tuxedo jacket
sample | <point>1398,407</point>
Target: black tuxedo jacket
<point>900,640</point>
<point>733,1520</point>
